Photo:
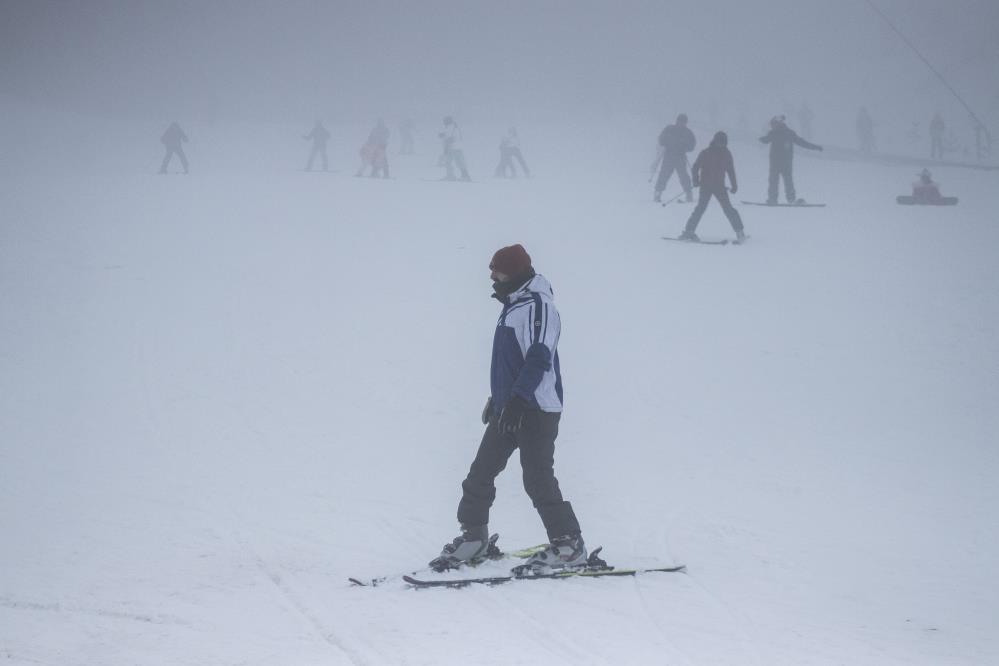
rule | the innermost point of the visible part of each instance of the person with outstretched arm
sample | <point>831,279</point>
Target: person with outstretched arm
<point>709,171</point>
<point>782,140</point>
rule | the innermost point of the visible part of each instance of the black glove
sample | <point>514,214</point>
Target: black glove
<point>512,416</point>
<point>734,188</point>
<point>487,410</point>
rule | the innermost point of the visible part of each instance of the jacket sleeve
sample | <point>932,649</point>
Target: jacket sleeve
<point>691,141</point>
<point>730,168</point>
<point>695,170</point>
<point>541,335</point>
<point>768,138</point>
<point>805,144</point>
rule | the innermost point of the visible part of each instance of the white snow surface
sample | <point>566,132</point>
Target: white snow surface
<point>223,394</point>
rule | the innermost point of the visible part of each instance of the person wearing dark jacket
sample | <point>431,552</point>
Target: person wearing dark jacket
<point>319,137</point>
<point>173,139</point>
<point>782,140</point>
<point>522,412</point>
<point>676,140</point>
<point>709,171</point>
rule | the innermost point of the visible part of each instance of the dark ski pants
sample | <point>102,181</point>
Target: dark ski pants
<point>169,154</point>
<point>669,165</point>
<point>536,441</point>
<point>704,198</point>
<point>780,170</point>
<point>318,149</point>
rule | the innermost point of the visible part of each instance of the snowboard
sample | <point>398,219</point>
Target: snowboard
<point>911,201</point>
<point>800,203</point>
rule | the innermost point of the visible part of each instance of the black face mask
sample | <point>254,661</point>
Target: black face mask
<point>503,289</point>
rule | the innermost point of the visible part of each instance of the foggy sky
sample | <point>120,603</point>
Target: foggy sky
<point>347,59</point>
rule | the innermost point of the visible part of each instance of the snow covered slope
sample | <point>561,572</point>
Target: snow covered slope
<point>223,394</point>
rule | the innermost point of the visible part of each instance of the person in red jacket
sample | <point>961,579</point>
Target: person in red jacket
<point>709,173</point>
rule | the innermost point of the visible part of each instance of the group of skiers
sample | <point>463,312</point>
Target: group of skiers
<point>374,151</point>
<point>715,163</point>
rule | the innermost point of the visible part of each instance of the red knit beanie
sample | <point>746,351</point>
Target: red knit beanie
<point>511,261</point>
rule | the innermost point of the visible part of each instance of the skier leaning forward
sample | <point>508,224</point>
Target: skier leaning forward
<point>709,172</point>
<point>522,412</point>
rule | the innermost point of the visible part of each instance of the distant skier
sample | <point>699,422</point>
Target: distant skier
<point>174,139</point>
<point>782,140</point>
<point>374,152</point>
<point>510,150</point>
<point>319,136</point>
<point>522,412</point>
<point>453,155</point>
<point>865,131</point>
<point>709,171</point>
<point>676,140</point>
<point>925,190</point>
<point>406,130</point>
<point>937,128</point>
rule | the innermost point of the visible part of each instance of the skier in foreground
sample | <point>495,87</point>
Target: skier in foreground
<point>782,140</point>
<point>709,174</point>
<point>676,140</point>
<point>522,412</point>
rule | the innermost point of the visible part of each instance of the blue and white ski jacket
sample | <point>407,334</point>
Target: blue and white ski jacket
<point>525,349</point>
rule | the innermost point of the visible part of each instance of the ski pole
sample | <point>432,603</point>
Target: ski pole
<point>674,198</point>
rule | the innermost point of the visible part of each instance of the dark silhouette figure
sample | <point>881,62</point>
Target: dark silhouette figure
<point>709,171</point>
<point>937,128</point>
<point>865,131</point>
<point>319,136</point>
<point>676,140</point>
<point>407,128</point>
<point>805,118</point>
<point>510,150</point>
<point>174,139</point>
<point>374,152</point>
<point>782,140</point>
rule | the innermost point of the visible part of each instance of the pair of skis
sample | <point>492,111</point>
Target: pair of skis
<point>595,567</point>
<point>723,241</point>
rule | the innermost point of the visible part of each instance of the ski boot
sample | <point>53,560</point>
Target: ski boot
<point>740,237</point>
<point>472,545</point>
<point>688,235</point>
<point>564,552</point>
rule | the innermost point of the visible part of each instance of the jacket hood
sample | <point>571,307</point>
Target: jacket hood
<point>538,284</point>
<point>720,139</point>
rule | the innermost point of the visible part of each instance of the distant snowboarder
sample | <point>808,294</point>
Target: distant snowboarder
<point>937,128</point>
<point>174,139</point>
<point>453,155</point>
<point>522,412</point>
<point>319,136</point>
<point>510,150</point>
<point>926,192</point>
<point>782,140</point>
<point>374,152</point>
<point>865,131</point>
<point>407,128</point>
<point>676,140</point>
<point>709,171</point>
